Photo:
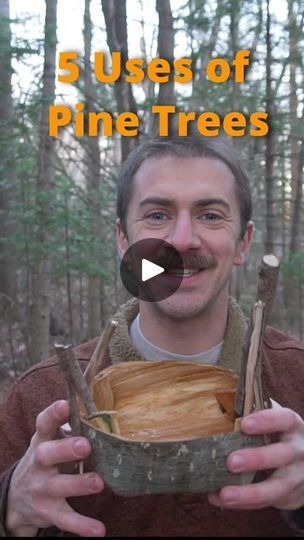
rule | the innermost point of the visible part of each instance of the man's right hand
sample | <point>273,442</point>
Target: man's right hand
<point>38,492</point>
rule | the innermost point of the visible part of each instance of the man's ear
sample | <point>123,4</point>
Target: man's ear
<point>122,241</point>
<point>244,245</point>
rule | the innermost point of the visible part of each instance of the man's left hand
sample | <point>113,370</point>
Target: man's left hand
<point>284,488</point>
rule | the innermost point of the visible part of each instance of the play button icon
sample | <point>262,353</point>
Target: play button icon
<point>151,270</point>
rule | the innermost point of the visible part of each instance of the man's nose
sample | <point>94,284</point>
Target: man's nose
<point>183,235</point>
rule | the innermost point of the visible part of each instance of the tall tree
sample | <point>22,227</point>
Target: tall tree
<point>7,170</point>
<point>269,154</point>
<point>115,15</point>
<point>165,49</point>
<point>40,308</point>
<point>92,164</point>
<point>297,146</point>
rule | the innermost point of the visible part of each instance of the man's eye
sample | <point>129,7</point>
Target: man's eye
<point>157,216</point>
<point>210,216</point>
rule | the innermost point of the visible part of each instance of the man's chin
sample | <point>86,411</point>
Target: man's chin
<point>179,308</point>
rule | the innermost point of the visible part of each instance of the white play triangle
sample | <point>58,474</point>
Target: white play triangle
<point>150,270</point>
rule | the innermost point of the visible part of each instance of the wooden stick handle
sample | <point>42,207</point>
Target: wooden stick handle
<point>268,277</point>
<point>78,390</point>
<point>96,359</point>
<point>255,343</point>
<point>267,283</point>
<point>74,377</point>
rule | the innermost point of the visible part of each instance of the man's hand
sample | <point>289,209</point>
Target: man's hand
<point>284,488</point>
<point>38,492</point>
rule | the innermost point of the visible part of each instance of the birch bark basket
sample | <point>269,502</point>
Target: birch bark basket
<point>168,427</point>
<point>159,440</point>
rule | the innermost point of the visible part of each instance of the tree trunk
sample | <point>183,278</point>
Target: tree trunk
<point>92,164</point>
<point>234,8</point>
<point>269,174</point>
<point>296,149</point>
<point>8,264</point>
<point>115,15</point>
<point>165,49</point>
<point>40,308</point>
<point>68,272</point>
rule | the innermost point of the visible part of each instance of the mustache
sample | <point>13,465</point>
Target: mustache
<point>188,260</point>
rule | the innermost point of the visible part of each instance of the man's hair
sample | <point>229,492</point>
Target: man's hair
<point>183,147</point>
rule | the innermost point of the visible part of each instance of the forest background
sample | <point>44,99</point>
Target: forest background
<point>59,267</point>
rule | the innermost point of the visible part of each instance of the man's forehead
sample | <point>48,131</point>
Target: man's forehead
<point>197,168</point>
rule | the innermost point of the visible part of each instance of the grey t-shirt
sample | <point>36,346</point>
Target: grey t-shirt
<point>151,352</point>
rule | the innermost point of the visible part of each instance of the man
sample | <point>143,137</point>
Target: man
<point>194,194</point>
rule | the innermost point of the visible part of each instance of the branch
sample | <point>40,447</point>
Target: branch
<point>96,359</point>
<point>78,390</point>
<point>255,343</point>
<point>267,283</point>
<point>74,378</point>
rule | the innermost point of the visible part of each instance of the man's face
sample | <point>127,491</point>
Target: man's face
<point>192,204</point>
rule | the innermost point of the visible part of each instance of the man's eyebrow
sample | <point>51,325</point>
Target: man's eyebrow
<point>203,202</point>
<point>209,201</point>
<point>162,201</point>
